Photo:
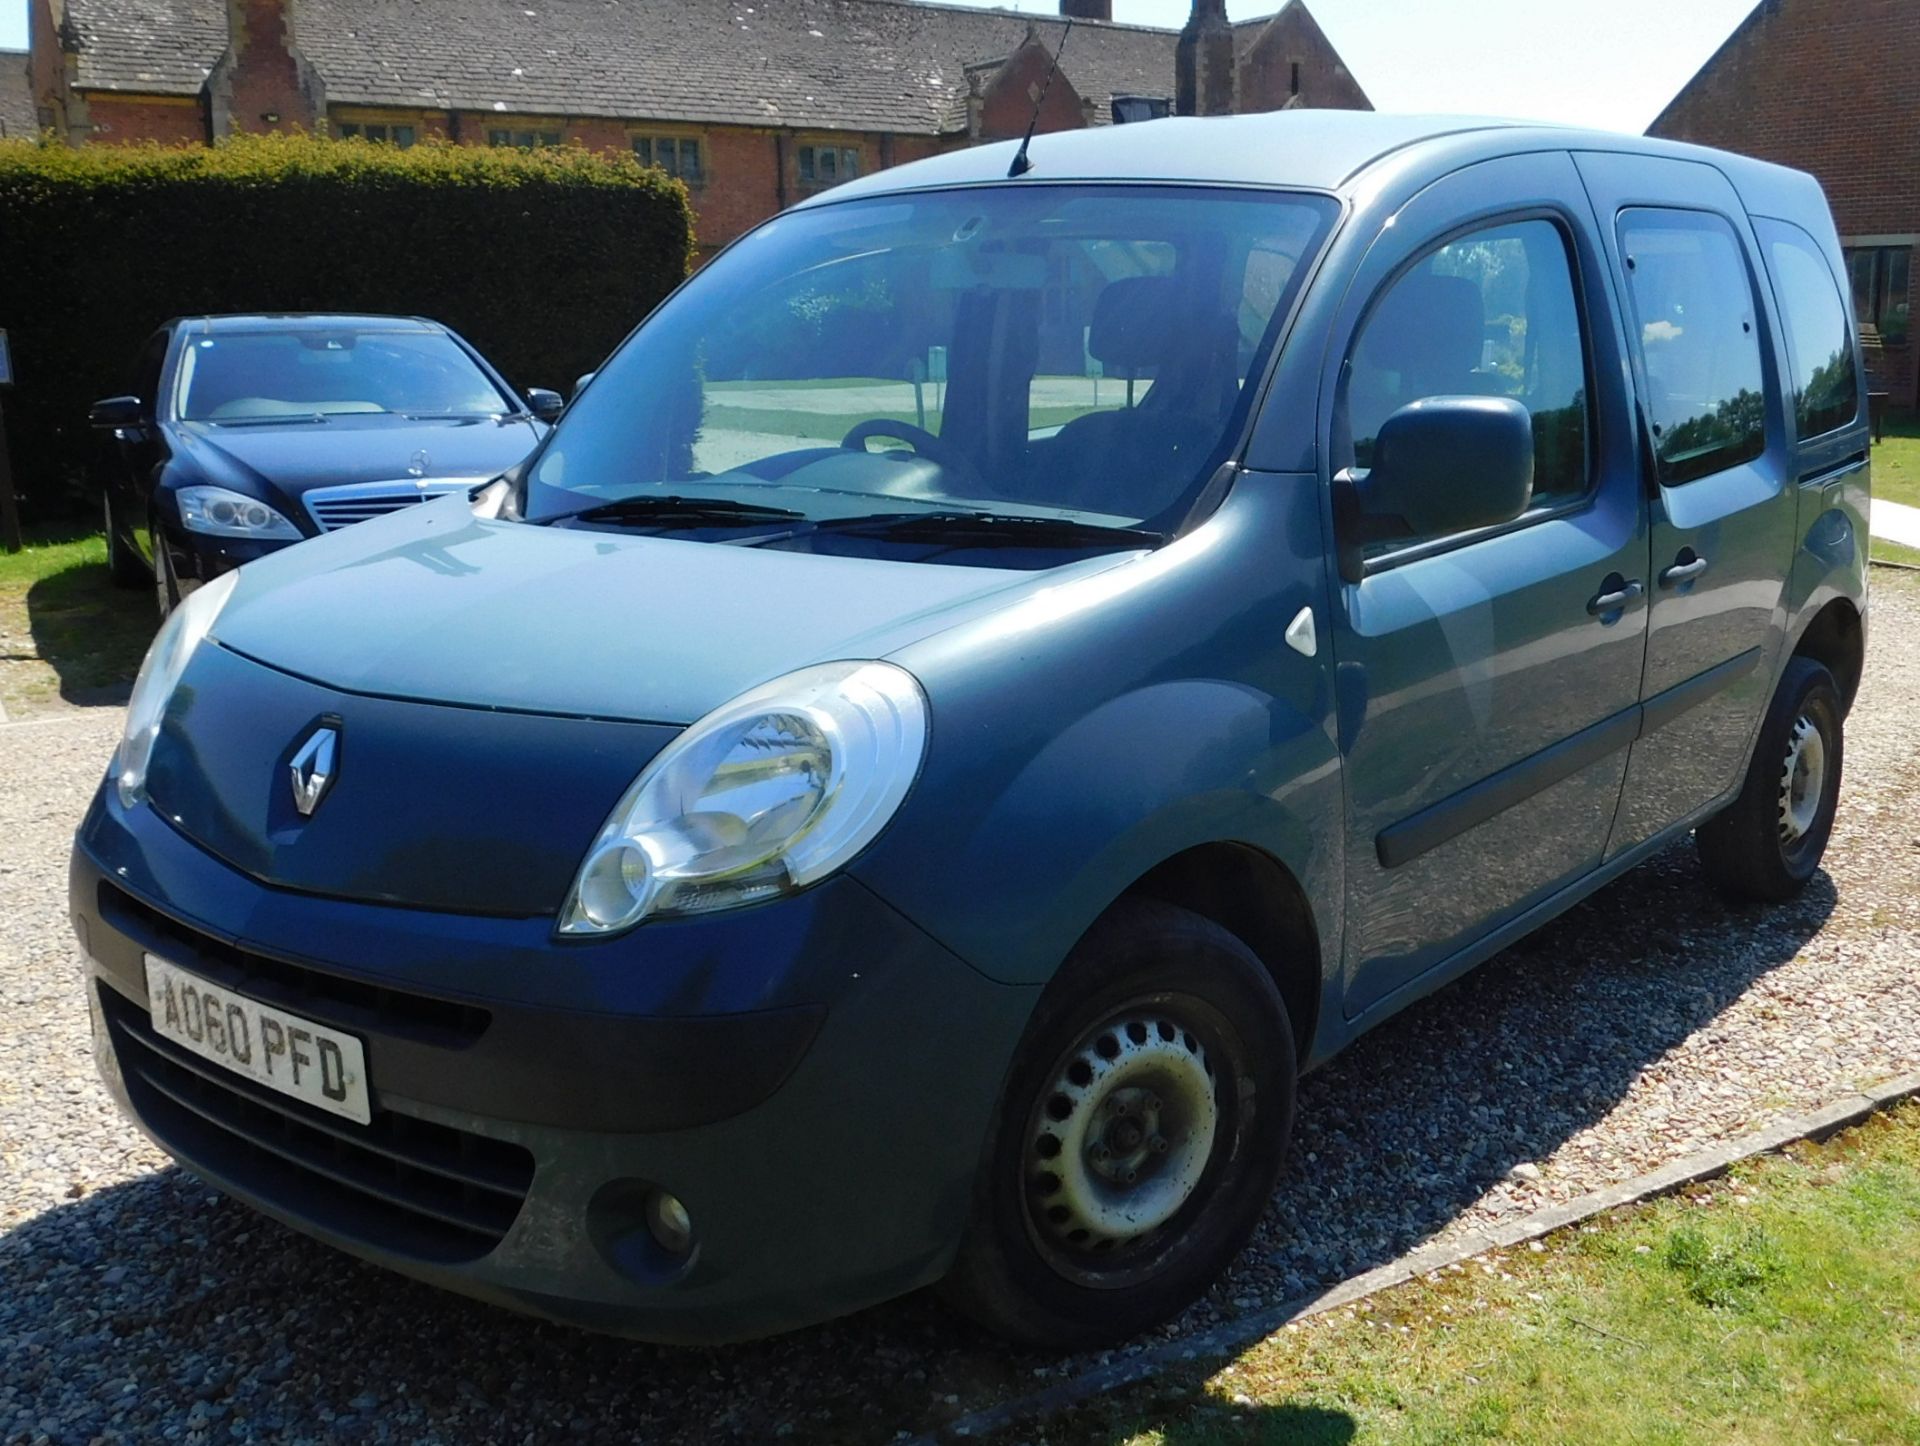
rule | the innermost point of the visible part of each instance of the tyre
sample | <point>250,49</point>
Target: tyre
<point>1769,841</point>
<point>123,563</point>
<point>1139,1135</point>
<point>166,588</point>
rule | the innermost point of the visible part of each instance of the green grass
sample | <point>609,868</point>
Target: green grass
<point>1776,1306</point>
<point>1896,460</point>
<point>66,633</point>
<point>1880,550</point>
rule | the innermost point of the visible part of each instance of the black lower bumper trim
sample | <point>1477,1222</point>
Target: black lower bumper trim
<point>429,1190</point>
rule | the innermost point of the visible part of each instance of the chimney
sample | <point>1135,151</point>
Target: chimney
<point>262,82</point>
<point>1203,66</point>
<point>1087,9</point>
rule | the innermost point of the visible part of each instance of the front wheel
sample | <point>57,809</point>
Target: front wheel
<point>123,563</point>
<point>1139,1137</point>
<point>166,587</point>
<point>1768,842</point>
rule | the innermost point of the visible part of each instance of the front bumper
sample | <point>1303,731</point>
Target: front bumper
<point>822,1129</point>
<point>198,558</point>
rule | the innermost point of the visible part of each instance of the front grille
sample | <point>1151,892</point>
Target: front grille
<point>403,1184</point>
<point>336,507</point>
<point>331,998</point>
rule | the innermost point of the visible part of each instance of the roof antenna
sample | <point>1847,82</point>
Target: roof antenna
<point>1021,165</point>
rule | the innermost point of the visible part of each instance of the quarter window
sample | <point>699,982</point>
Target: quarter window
<point>678,156</point>
<point>1695,328</point>
<point>828,165</point>
<point>1880,275</point>
<point>1491,314</point>
<point>1826,392</point>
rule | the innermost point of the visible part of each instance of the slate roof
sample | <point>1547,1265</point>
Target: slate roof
<point>878,65</point>
<point>16,96</point>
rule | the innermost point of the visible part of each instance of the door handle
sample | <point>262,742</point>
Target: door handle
<point>1614,600</point>
<point>1682,572</point>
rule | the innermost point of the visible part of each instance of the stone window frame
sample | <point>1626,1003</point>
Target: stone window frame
<point>652,135</point>
<point>542,132</point>
<point>346,122</point>
<point>806,160</point>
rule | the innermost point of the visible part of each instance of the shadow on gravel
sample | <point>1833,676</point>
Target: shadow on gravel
<point>162,1302</point>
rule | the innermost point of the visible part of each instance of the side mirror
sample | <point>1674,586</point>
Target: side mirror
<point>545,404</point>
<point>1440,465</point>
<point>580,382</point>
<point>120,413</point>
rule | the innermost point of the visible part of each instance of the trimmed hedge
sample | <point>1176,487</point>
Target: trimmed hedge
<point>543,259</point>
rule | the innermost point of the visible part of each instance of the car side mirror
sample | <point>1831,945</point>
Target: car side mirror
<point>546,404</point>
<point>580,382</point>
<point>1440,465</point>
<point>119,413</point>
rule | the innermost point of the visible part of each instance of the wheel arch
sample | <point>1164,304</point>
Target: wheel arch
<point>1836,639</point>
<point>1257,899</point>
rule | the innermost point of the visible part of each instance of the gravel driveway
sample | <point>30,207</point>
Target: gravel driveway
<point>137,1305</point>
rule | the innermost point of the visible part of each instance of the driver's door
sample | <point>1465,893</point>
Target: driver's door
<point>1488,682</point>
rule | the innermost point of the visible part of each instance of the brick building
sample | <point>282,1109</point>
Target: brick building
<point>753,105</point>
<point>1832,87</point>
<point>16,96</point>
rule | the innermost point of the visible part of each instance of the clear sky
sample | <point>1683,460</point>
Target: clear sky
<point>1611,63</point>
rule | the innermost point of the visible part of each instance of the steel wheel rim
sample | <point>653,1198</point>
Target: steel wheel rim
<point>1803,780</point>
<point>1119,1141</point>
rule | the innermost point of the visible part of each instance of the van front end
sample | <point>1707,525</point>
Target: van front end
<point>703,1131</point>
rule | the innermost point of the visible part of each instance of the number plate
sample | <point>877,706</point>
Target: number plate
<point>310,1062</point>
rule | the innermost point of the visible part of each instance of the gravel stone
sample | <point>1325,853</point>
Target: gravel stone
<point>1648,1022</point>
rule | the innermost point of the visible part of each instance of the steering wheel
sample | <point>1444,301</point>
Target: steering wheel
<point>923,442</point>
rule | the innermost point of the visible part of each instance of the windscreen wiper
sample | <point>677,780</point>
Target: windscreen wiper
<point>990,529</point>
<point>692,511</point>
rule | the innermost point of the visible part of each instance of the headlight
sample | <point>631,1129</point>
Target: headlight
<point>217,512</point>
<point>763,796</point>
<point>159,675</point>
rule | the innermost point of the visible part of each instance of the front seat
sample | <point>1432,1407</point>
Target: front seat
<point>1135,461</point>
<point>1424,339</point>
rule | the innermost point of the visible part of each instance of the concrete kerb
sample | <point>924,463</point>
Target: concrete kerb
<point>1225,1339</point>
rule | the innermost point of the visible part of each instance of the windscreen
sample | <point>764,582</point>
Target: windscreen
<point>261,376</point>
<point>1085,351</point>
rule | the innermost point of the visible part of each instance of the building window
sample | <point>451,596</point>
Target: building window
<point>524,140</point>
<point>1879,275</point>
<point>1128,108</point>
<point>828,165</point>
<point>401,136</point>
<point>676,155</point>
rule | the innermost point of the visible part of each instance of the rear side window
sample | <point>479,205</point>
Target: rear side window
<point>1699,340</point>
<point>1826,391</point>
<point>1490,314</point>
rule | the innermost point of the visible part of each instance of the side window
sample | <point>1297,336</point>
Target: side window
<point>1694,324</point>
<point>1826,393</point>
<point>1491,314</point>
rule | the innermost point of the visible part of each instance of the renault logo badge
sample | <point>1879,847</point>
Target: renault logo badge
<point>313,767</point>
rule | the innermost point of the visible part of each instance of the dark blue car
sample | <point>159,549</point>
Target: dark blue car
<point>242,434</point>
<point>996,676</point>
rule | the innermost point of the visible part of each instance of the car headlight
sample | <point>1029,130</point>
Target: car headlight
<point>765,795</point>
<point>218,512</point>
<point>160,674</point>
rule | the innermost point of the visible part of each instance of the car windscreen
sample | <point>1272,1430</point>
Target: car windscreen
<point>1064,351</point>
<point>236,377</point>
